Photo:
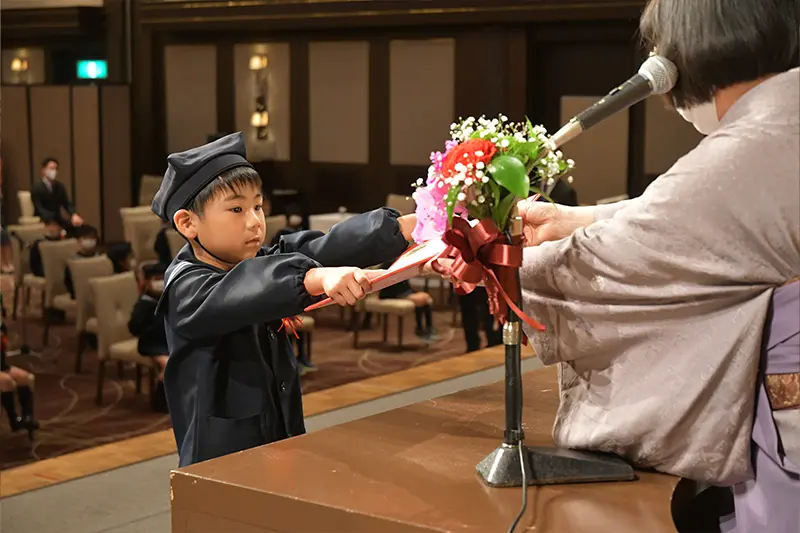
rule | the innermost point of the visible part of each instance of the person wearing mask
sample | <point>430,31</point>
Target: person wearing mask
<point>674,316</point>
<point>50,197</point>
<point>87,237</point>
<point>149,327</point>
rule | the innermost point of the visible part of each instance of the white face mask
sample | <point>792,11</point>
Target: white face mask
<point>50,174</point>
<point>157,285</point>
<point>88,244</point>
<point>703,117</point>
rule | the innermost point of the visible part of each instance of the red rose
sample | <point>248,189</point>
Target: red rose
<point>469,152</point>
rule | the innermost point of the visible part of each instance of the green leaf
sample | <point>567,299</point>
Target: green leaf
<point>450,202</point>
<point>503,210</point>
<point>510,172</point>
<point>537,190</point>
<point>495,192</point>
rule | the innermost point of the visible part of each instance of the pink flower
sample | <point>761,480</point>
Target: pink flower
<point>431,216</point>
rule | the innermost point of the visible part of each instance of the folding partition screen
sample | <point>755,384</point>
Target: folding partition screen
<point>88,130</point>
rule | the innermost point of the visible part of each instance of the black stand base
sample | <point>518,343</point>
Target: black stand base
<point>551,466</point>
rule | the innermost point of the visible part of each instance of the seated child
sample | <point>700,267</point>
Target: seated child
<point>14,378</point>
<point>161,246</point>
<point>87,237</point>
<point>149,327</point>
<point>121,256</point>
<point>231,379</point>
<point>52,232</point>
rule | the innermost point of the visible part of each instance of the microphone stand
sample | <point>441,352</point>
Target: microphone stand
<point>512,462</point>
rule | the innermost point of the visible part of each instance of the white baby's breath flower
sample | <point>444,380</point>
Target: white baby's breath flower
<point>570,179</point>
<point>481,199</point>
<point>479,153</point>
<point>419,181</point>
<point>479,173</point>
<point>551,181</point>
<point>570,163</point>
<point>468,182</point>
<point>485,179</point>
<point>440,184</point>
<point>504,143</point>
<point>460,167</point>
<point>461,197</point>
<point>550,145</point>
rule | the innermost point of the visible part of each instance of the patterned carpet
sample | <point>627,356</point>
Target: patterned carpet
<point>71,420</point>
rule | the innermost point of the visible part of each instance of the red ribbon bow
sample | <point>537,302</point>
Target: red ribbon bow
<point>291,324</point>
<point>477,252</point>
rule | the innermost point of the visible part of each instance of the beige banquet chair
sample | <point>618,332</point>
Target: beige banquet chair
<point>114,299</point>
<point>148,187</point>
<point>176,242</point>
<point>127,214</point>
<point>274,225</point>
<point>55,255</point>
<point>22,237</point>
<point>397,307</point>
<point>404,204</point>
<point>144,231</point>
<point>83,270</point>
<point>26,209</point>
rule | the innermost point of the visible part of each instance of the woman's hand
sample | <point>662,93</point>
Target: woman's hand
<point>543,221</point>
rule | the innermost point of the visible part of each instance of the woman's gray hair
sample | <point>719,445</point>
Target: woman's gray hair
<point>718,43</point>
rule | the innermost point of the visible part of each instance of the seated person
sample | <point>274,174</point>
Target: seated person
<point>121,255</point>
<point>13,378</point>
<point>422,302</point>
<point>6,257</point>
<point>149,327</point>
<point>87,237</point>
<point>294,219</point>
<point>52,232</point>
<point>161,246</point>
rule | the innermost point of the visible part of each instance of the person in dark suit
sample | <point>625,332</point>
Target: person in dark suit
<point>50,196</point>
<point>231,379</point>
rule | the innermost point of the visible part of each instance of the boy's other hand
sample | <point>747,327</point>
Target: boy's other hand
<point>345,285</point>
<point>407,225</point>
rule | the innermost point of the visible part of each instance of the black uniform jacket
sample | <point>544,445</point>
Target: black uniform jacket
<point>231,380</point>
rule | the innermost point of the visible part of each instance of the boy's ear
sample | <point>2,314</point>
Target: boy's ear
<point>186,223</point>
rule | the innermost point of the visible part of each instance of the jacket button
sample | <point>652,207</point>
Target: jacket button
<point>283,386</point>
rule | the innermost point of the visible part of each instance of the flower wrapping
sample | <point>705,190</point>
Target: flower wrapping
<point>486,167</point>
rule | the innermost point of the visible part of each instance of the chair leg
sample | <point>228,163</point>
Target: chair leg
<point>82,341</point>
<point>17,288</point>
<point>46,314</point>
<point>385,320</point>
<point>308,345</point>
<point>101,374</point>
<point>138,379</point>
<point>400,331</point>
<point>120,369</point>
<point>356,329</point>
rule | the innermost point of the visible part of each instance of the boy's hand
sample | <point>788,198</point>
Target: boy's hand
<point>345,285</point>
<point>407,225</point>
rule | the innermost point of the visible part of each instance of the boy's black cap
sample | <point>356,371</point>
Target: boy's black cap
<point>190,171</point>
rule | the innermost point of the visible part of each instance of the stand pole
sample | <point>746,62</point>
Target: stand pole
<point>543,466</point>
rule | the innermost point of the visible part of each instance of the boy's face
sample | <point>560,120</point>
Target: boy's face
<point>52,231</point>
<point>232,225</point>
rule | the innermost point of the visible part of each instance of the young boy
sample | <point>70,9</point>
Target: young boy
<point>231,379</point>
<point>149,327</point>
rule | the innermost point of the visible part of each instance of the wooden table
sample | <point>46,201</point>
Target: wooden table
<point>409,470</point>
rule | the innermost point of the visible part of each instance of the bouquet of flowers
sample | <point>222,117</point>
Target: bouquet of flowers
<point>485,169</point>
<point>483,172</point>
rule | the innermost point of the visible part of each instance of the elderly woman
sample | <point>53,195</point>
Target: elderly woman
<point>674,316</point>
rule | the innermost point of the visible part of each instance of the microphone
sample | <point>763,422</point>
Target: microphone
<point>657,75</point>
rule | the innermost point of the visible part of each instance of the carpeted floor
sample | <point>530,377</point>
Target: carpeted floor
<point>71,420</point>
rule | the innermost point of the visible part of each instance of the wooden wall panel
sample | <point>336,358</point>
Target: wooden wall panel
<point>86,151</point>
<point>15,150</point>
<point>600,154</point>
<point>339,102</point>
<point>51,128</point>
<point>115,131</point>
<point>190,79</point>
<point>422,99</point>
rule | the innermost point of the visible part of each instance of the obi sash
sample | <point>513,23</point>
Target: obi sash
<point>770,503</point>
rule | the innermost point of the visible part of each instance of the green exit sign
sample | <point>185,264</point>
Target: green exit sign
<point>92,69</point>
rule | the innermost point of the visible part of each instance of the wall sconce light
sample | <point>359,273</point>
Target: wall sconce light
<point>258,62</point>
<point>19,65</point>
<point>260,117</point>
